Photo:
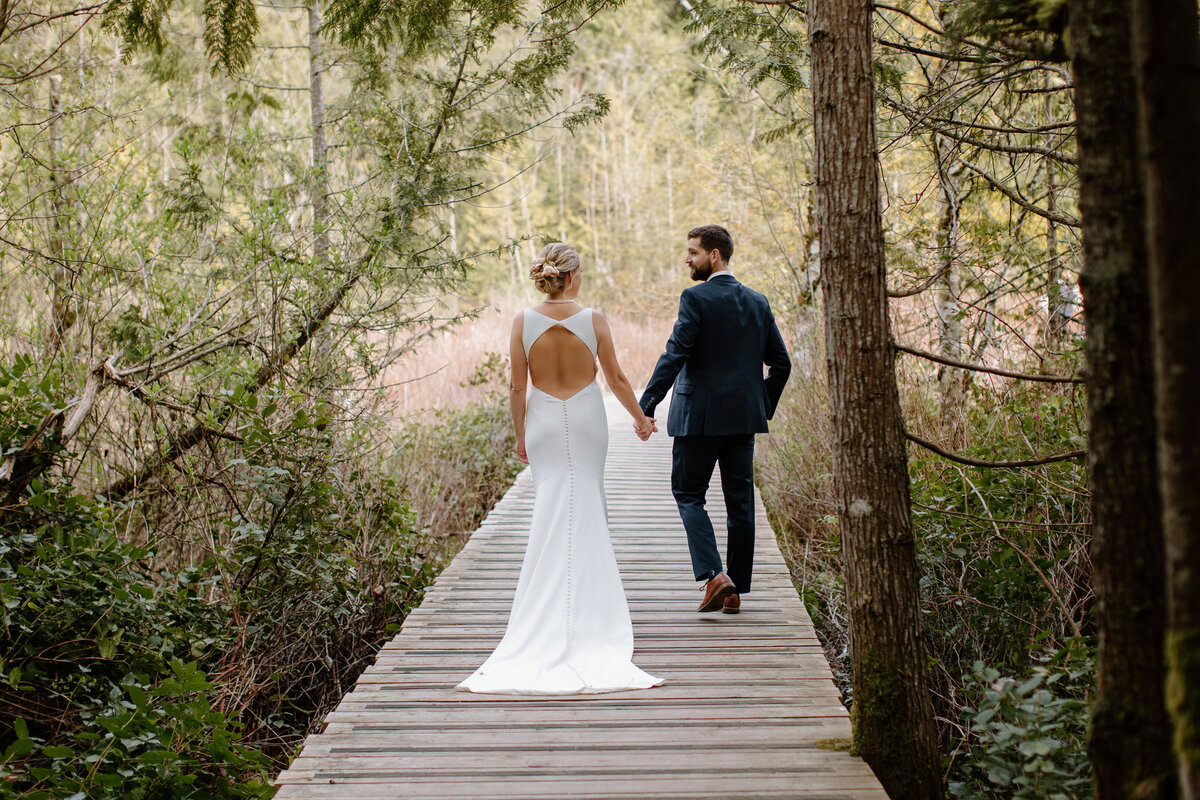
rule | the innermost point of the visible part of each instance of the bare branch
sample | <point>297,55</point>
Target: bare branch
<point>974,462</point>
<point>927,122</point>
<point>1061,219</point>
<point>1024,376</point>
<point>922,286</point>
<point>920,51</point>
<point>267,372</point>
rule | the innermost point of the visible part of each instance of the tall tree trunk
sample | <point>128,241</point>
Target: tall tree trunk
<point>593,218</point>
<point>1056,290</point>
<point>949,307</point>
<point>320,163</point>
<point>1130,740</point>
<point>526,215</point>
<point>562,195</point>
<point>670,193</point>
<point>1167,63</point>
<point>892,712</point>
<point>1058,300</point>
<point>510,232</point>
<point>62,315</point>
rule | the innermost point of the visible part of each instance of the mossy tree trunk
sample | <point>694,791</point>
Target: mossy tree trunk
<point>1130,739</point>
<point>1167,63</point>
<point>892,712</point>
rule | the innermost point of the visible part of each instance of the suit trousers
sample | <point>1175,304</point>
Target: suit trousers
<point>693,460</point>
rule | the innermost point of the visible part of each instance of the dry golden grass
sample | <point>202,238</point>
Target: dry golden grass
<point>436,374</point>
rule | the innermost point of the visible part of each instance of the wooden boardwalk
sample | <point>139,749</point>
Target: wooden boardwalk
<point>747,703</point>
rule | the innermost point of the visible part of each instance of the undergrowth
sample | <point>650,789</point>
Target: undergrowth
<point>181,643</point>
<point>1005,576</point>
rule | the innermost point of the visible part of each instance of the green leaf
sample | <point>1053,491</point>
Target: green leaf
<point>19,748</point>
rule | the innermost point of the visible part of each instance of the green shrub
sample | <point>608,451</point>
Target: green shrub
<point>182,643</point>
<point>1005,574</point>
<point>1027,738</point>
<point>105,697</point>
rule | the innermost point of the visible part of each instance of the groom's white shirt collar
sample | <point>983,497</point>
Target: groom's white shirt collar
<point>718,274</point>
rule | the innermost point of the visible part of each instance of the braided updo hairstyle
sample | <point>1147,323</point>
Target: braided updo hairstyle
<point>553,267</point>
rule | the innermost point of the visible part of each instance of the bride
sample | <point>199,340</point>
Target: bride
<point>569,631</point>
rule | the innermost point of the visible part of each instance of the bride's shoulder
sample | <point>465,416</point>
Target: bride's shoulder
<point>599,323</point>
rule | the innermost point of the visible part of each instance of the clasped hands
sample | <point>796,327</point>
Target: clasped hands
<point>645,428</point>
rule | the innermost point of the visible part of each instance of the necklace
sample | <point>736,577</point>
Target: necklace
<point>564,300</point>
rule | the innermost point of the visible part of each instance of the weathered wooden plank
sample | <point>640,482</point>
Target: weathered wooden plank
<point>691,783</point>
<point>747,697</point>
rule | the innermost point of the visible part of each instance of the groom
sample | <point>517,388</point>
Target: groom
<point>724,335</point>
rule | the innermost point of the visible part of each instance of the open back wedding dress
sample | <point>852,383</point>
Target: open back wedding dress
<point>569,631</point>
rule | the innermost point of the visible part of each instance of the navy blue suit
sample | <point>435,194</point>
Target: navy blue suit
<point>714,359</point>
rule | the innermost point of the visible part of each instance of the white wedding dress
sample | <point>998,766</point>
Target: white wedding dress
<point>569,631</point>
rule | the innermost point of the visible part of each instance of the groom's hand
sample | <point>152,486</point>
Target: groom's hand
<point>645,429</point>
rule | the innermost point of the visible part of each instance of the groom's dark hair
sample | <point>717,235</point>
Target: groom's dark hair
<point>713,237</point>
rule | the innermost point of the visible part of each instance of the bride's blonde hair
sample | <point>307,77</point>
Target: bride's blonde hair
<point>552,267</point>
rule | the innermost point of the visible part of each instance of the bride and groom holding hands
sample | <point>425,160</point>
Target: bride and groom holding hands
<point>569,631</point>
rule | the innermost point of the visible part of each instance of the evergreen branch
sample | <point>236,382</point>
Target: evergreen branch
<point>229,31</point>
<point>139,22</point>
<point>1051,128</point>
<point>920,51</point>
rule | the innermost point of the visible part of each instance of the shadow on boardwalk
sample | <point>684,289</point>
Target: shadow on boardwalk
<point>747,697</point>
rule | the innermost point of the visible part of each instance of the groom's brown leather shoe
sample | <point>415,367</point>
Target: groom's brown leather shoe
<point>715,592</point>
<point>733,604</point>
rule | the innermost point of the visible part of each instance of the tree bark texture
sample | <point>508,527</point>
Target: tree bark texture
<point>63,313</point>
<point>1057,299</point>
<point>892,711</point>
<point>1167,64</point>
<point>1129,741</point>
<point>320,161</point>
<point>951,381</point>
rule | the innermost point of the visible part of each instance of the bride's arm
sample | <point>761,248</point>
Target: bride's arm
<point>607,353</point>
<point>517,384</point>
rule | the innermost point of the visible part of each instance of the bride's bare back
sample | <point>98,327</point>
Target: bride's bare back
<point>560,364</point>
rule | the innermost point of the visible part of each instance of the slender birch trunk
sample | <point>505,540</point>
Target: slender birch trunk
<point>320,164</point>
<point>62,312</point>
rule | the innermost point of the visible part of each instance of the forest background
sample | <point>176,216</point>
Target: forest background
<point>254,302</point>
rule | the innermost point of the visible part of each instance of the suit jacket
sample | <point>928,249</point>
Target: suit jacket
<point>724,335</point>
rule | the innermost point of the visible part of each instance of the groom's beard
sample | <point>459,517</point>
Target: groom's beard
<point>701,273</point>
